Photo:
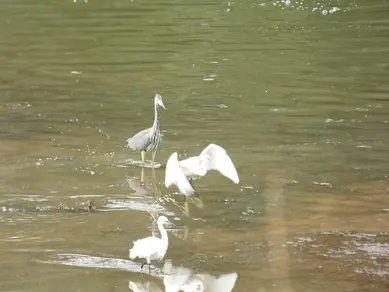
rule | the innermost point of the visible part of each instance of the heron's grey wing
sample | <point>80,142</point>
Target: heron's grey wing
<point>139,141</point>
<point>174,175</point>
<point>216,158</point>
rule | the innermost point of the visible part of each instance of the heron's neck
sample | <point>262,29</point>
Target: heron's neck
<point>156,117</point>
<point>164,237</point>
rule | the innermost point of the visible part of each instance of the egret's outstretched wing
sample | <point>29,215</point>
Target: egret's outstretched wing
<point>218,159</point>
<point>192,166</point>
<point>175,176</point>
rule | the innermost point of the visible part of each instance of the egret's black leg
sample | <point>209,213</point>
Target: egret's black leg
<point>141,267</point>
<point>191,182</point>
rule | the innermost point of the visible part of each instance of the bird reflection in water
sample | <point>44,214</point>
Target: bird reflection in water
<point>149,188</point>
<point>144,287</point>
<point>177,279</point>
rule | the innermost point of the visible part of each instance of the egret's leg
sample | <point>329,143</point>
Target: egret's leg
<point>143,156</point>
<point>186,232</point>
<point>186,208</point>
<point>153,154</point>
<point>190,180</point>
<point>141,267</point>
<point>199,202</point>
<point>149,262</point>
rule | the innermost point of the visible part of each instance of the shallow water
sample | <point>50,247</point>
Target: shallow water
<point>295,91</point>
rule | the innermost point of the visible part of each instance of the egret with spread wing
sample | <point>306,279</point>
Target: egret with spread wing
<point>149,139</point>
<point>152,248</point>
<point>175,176</point>
<point>213,157</point>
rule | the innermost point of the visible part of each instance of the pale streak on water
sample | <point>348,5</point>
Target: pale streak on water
<point>297,93</point>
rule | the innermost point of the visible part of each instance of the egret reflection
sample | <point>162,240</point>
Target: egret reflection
<point>177,279</point>
<point>147,286</point>
<point>183,279</point>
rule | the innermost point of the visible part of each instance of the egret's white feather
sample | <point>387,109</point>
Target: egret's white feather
<point>182,279</point>
<point>193,166</point>
<point>143,287</point>
<point>213,157</point>
<point>175,176</point>
<point>216,158</point>
<point>145,248</point>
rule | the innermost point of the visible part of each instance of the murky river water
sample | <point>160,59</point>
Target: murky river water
<point>295,91</point>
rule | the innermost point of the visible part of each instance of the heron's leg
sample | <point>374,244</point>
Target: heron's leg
<point>142,176</point>
<point>141,267</point>
<point>153,154</point>
<point>143,156</point>
<point>153,175</point>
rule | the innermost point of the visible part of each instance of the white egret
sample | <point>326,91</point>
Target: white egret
<point>213,157</point>
<point>152,248</point>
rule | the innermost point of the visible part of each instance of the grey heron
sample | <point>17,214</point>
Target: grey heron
<point>152,248</point>
<point>149,139</point>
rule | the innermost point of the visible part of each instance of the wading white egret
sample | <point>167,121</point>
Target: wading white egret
<point>152,248</point>
<point>149,139</point>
